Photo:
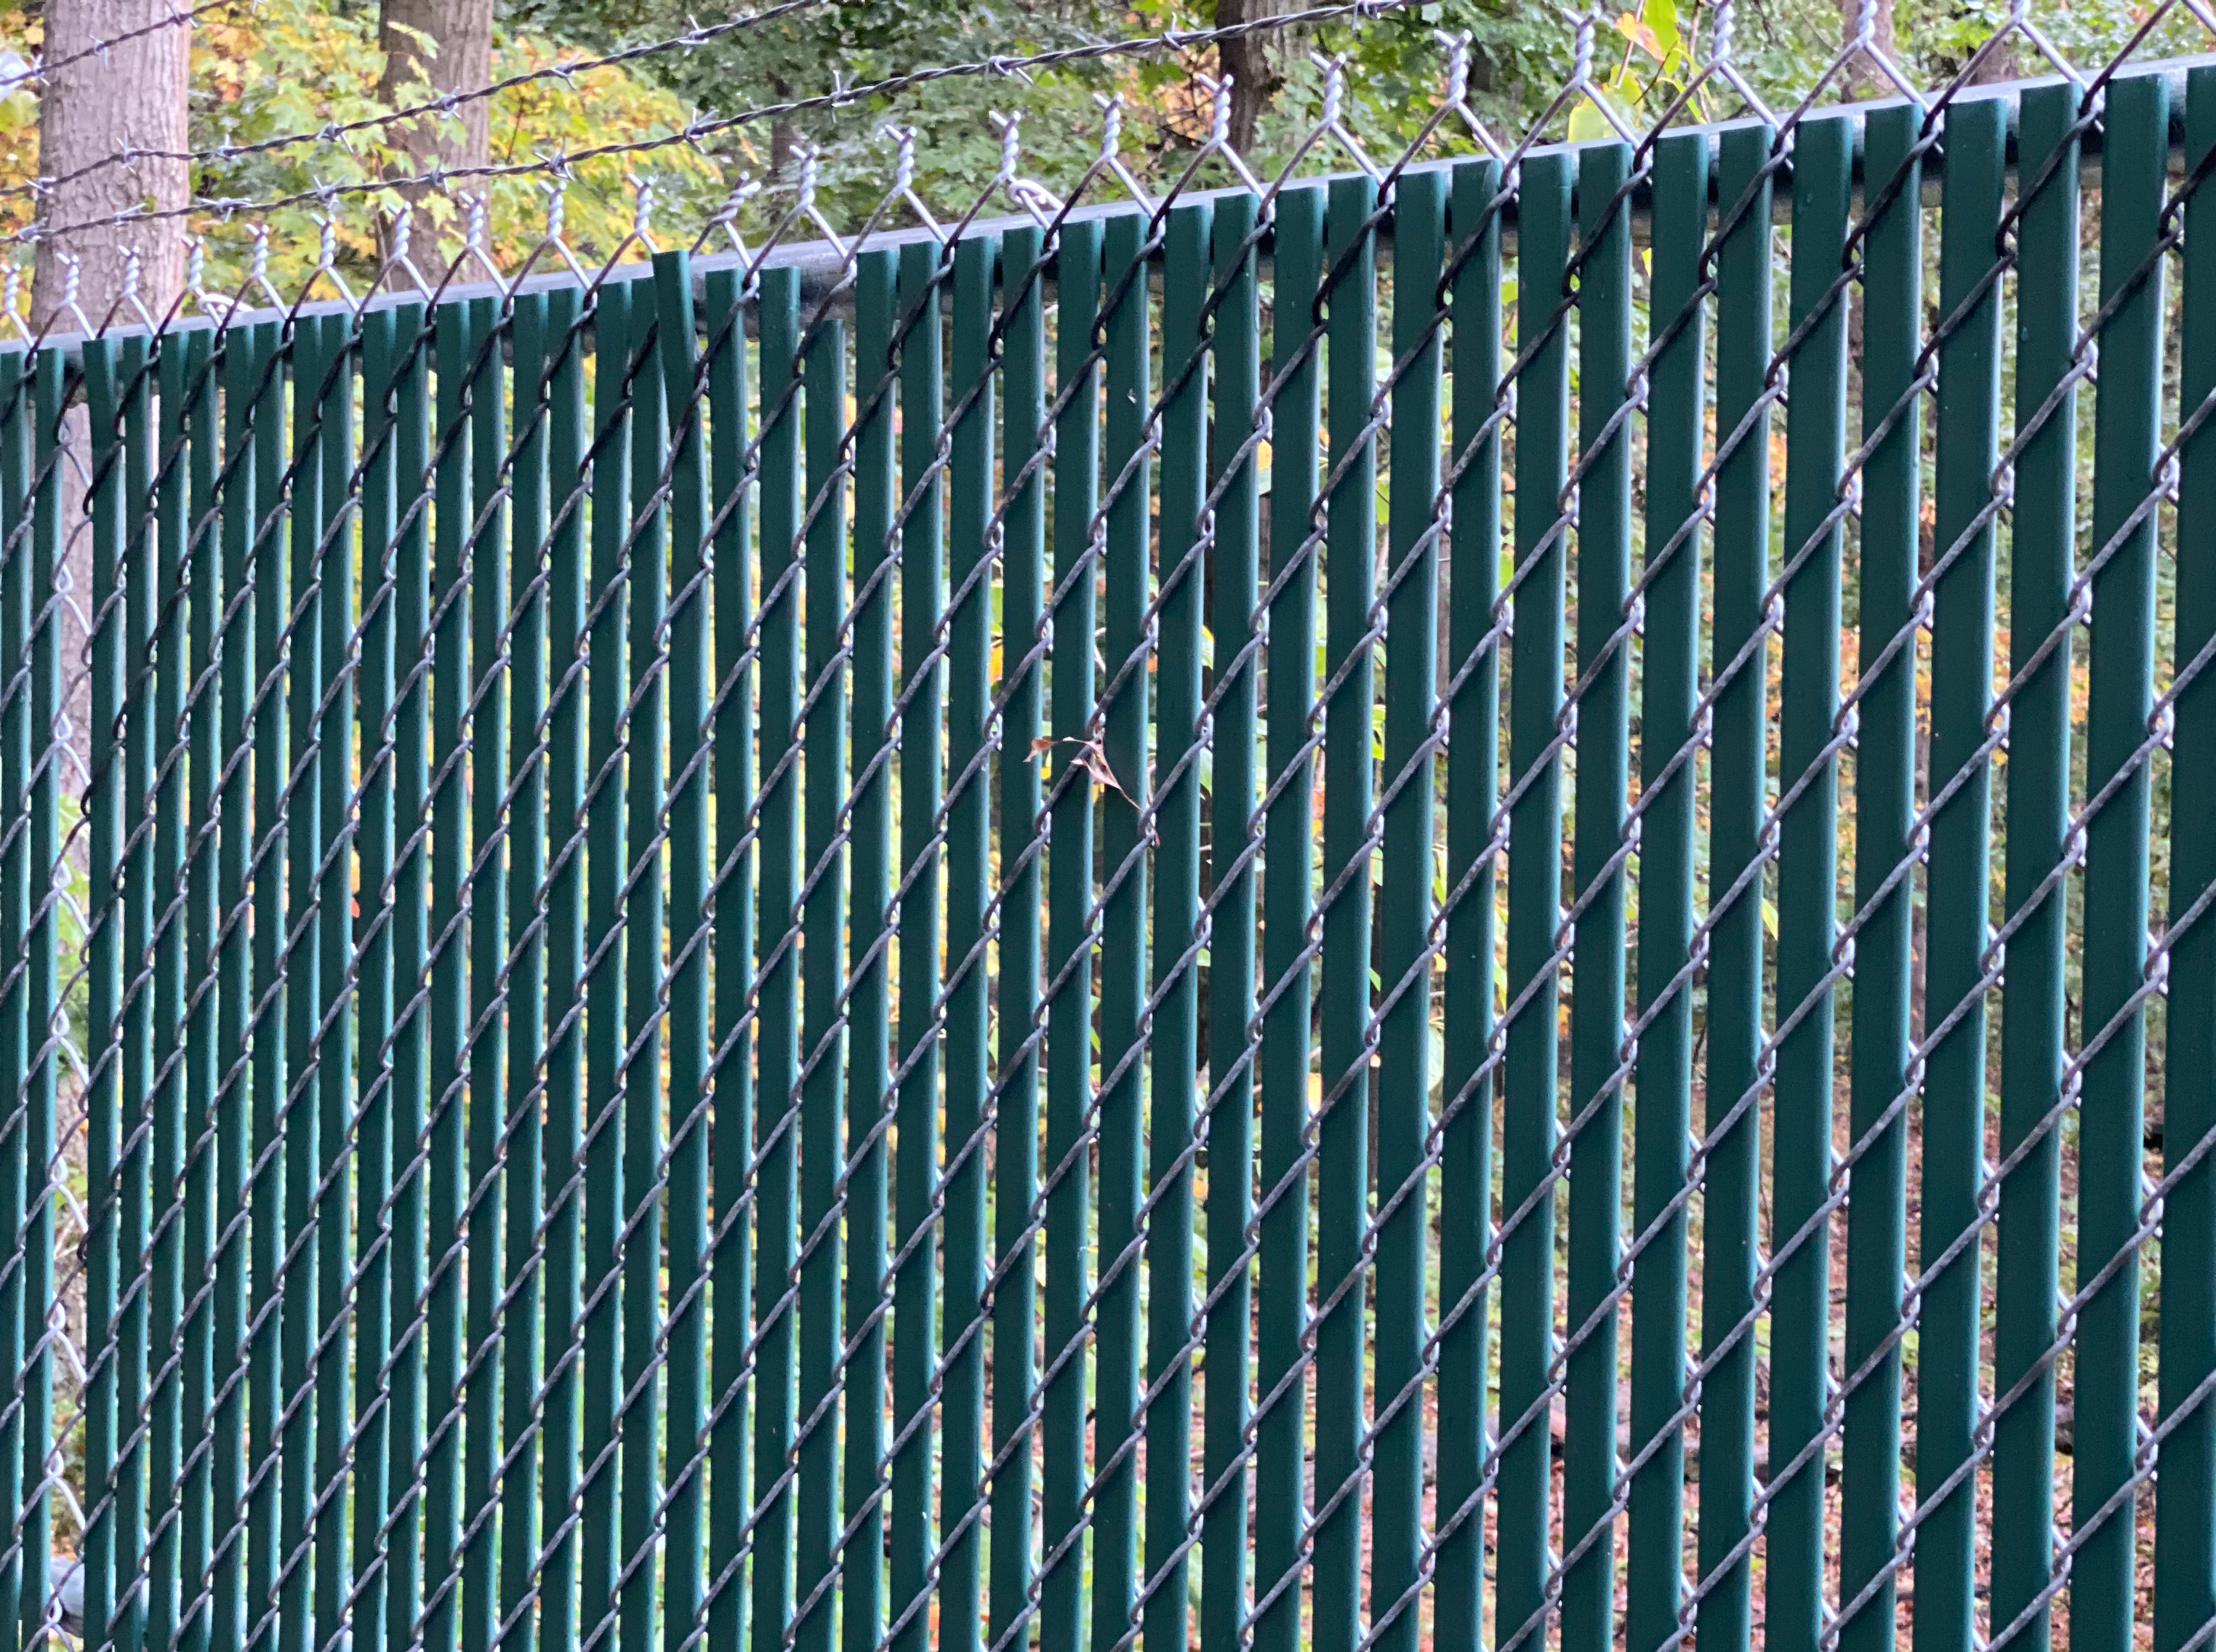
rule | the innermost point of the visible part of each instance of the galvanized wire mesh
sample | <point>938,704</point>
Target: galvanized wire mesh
<point>882,942</point>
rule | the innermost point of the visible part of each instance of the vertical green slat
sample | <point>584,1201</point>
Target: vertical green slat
<point>915,1294</point>
<point>18,417</point>
<point>1349,697</point>
<point>691,667</point>
<point>1473,693</point>
<point>377,1312</point>
<point>35,1255</point>
<point>821,1074</point>
<point>968,889</point>
<point>780,1019</point>
<point>103,1425</point>
<point>607,687</point>
<point>1741,551</point>
<point>1122,721</point>
<point>1801,1246</point>
<point>524,780</point>
<point>334,1049</point>
<point>485,896</point>
<point>564,908</point>
<point>1885,810</point>
<point>132,1031</point>
<point>1234,587</point>
<point>1069,940</point>
<point>2185,1513</point>
<point>447,1172</point>
<point>2128,432</point>
<point>1604,766</point>
<point>1535,879</point>
<point>2033,1009</point>
<point>1015,1166</point>
<point>1288,899</point>
<point>1956,923</point>
<point>1179,737</point>
<point>269,1185</point>
<point>639,1072</point>
<point>1411,860</point>
<point>1668,781</point>
<point>861,1588</point>
<point>411,783</point>
<point>203,550</point>
<point>730,1480</point>
<point>171,1129</point>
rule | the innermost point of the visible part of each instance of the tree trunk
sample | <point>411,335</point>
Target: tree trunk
<point>130,95</point>
<point>446,45</point>
<point>1251,60</point>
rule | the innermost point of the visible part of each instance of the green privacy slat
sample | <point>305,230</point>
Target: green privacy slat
<point>18,415</point>
<point>776,1144</point>
<point>730,1482</point>
<point>608,688</point>
<point>484,553</point>
<point>1015,1173</point>
<point>1885,809</point>
<point>1527,1240</point>
<point>332,1045</point>
<point>691,669</point>
<point>1473,695</point>
<point>1404,962</point>
<point>1596,1099</point>
<point>1955,910</point>
<point>41,1468</point>
<point>18,487</point>
<point>103,1425</point>
<point>821,915</point>
<point>270,1183</point>
<point>1801,1246</point>
<point>165,1266</point>
<point>2127,433</point>
<point>1741,551</point>
<point>861,1590</point>
<point>410,734</point>
<point>32,685</point>
<point>1288,898</point>
<point>166,1280</point>
<point>524,781</point>
<point>447,1168</point>
<point>197,1187</point>
<point>1344,906</point>
<point>565,917</point>
<point>127,1040</point>
<point>968,889</point>
<point>1069,941</point>
<point>916,1284</point>
<point>1668,784</point>
<point>2033,1009</point>
<point>638,1072</point>
<point>376,1311</point>
<point>1123,731</point>
<point>1235,581</point>
<point>1173,1040</point>
<point>2185,1513</point>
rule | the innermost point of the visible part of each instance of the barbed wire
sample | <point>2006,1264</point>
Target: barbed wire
<point>44,69</point>
<point>561,163</point>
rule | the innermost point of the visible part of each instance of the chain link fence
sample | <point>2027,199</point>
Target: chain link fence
<point>1439,901</point>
